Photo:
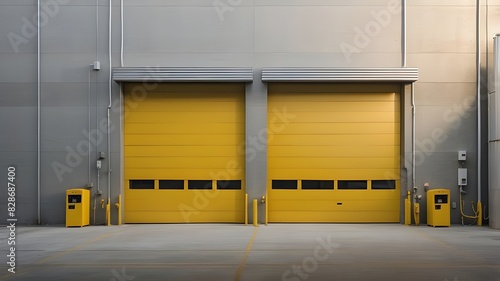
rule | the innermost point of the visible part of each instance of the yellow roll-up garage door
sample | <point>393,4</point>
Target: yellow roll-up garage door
<point>334,152</point>
<point>184,160</point>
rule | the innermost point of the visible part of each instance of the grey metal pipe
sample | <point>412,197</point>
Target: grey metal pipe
<point>494,142</point>
<point>478,65</point>
<point>109,105</point>
<point>39,179</point>
<point>97,30</point>
<point>121,30</point>
<point>413,109</point>
<point>413,134</point>
<point>110,55</point>
<point>98,131</point>
<point>88,115</point>
<point>403,33</point>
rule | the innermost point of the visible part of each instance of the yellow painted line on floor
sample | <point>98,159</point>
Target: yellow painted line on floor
<point>63,253</point>
<point>239,271</point>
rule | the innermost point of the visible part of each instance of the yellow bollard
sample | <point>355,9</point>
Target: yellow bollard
<point>108,213</point>
<point>266,211</point>
<point>119,207</point>
<point>246,209</point>
<point>479,213</point>
<point>255,216</point>
<point>408,209</point>
<point>416,213</point>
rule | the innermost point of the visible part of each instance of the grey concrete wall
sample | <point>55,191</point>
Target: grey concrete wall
<point>18,113</point>
<point>441,43</point>
<point>259,33</point>
<point>256,152</point>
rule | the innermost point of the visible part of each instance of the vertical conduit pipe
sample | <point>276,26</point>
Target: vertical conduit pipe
<point>108,114</point>
<point>478,66</point>
<point>98,192</point>
<point>403,33</point>
<point>97,90</point>
<point>413,142</point>
<point>121,31</point>
<point>416,204</point>
<point>120,210</point>
<point>88,115</point>
<point>403,64</point>
<point>39,219</point>
<point>494,142</point>
<point>413,113</point>
<point>97,30</point>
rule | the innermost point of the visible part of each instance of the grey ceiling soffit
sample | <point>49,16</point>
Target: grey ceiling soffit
<point>323,74</point>
<point>183,74</point>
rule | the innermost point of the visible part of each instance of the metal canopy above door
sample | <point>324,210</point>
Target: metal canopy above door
<point>183,74</point>
<point>346,74</point>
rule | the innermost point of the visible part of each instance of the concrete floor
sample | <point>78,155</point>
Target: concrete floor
<point>284,252</point>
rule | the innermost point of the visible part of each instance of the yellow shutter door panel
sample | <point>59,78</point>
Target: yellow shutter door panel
<point>327,163</point>
<point>189,117</point>
<point>340,106</point>
<point>181,151</point>
<point>183,206</point>
<point>341,117</point>
<point>184,132</point>
<point>182,140</point>
<point>332,197</point>
<point>335,149</point>
<point>312,141</point>
<point>193,174</point>
<point>332,174</point>
<point>335,216</point>
<point>207,105</point>
<point>334,132</point>
<point>339,128</point>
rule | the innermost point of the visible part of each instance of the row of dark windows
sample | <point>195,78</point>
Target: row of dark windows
<point>329,184</point>
<point>276,184</point>
<point>179,184</point>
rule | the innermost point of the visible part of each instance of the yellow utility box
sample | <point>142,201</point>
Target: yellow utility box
<point>77,207</point>
<point>438,207</point>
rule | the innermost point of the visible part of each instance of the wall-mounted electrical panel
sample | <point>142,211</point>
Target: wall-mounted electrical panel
<point>462,155</point>
<point>462,176</point>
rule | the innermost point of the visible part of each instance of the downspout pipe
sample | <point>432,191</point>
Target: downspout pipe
<point>39,218</point>
<point>479,150</point>
<point>413,110</point>
<point>403,33</point>
<point>413,134</point>
<point>416,212</point>
<point>120,209</point>
<point>121,31</point>
<point>108,206</point>
<point>416,205</point>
